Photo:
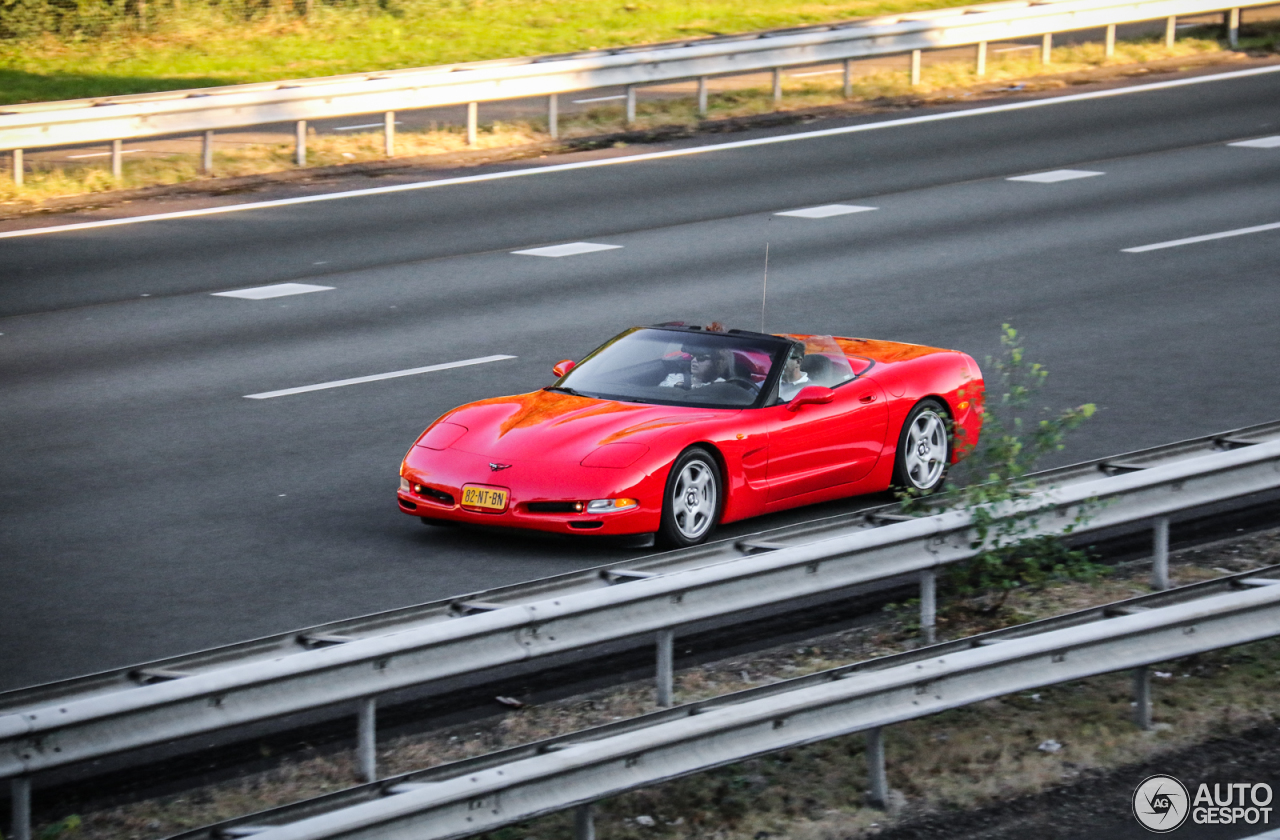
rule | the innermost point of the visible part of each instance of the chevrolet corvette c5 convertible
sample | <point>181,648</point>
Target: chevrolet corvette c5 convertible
<point>674,429</point>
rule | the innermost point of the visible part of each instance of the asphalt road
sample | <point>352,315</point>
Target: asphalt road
<point>147,508</point>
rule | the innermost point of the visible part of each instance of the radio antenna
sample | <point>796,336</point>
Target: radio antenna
<point>764,294</point>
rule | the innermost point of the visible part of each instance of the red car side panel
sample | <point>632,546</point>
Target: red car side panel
<point>816,447</point>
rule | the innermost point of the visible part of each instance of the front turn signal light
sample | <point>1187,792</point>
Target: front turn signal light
<point>610,505</point>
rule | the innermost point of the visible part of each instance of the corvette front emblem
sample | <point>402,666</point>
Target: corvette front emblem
<point>497,467</point>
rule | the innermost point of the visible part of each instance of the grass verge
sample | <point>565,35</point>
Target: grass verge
<point>975,756</point>
<point>939,83</point>
<point>102,49</point>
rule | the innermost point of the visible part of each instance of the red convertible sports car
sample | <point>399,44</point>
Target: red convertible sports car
<point>672,429</point>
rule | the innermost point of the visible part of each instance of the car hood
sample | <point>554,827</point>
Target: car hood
<point>554,426</point>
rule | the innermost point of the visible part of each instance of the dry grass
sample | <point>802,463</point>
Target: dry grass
<point>962,758</point>
<point>939,82</point>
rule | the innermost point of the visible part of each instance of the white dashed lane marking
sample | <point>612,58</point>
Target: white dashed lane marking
<point>341,383</point>
<point>567,250</point>
<point>275,291</point>
<point>826,211</point>
<point>1191,240</point>
<point>1055,176</point>
<point>1260,143</point>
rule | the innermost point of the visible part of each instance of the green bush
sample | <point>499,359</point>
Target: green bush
<point>1016,435</point>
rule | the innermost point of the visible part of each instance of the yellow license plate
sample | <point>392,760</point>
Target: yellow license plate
<point>489,498</point>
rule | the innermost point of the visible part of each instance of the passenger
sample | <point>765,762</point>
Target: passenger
<point>794,379</point>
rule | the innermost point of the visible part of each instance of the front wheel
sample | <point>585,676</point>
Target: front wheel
<point>691,503</point>
<point>924,449</point>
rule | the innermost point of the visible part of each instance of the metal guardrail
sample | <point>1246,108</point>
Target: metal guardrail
<point>484,793</point>
<point>207,110</point>
<point>50,728</point>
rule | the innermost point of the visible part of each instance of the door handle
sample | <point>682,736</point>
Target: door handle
<point>869,398</point>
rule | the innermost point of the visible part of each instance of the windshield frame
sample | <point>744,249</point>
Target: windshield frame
<point>779,348</point>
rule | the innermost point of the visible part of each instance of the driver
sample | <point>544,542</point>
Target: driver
<point>793,377</point>
<point>705,367</point>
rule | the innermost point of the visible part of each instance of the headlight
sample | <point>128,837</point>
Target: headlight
<point>404,484</point>
<point>608,505</point>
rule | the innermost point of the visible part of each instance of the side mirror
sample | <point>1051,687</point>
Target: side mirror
<point>811,395</point>
<point>563,366</point>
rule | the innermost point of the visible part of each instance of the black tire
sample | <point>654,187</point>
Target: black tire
<point>692,501</point>
<point>924,449</point>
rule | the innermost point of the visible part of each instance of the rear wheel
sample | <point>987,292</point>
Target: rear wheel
<point>924,449</point>
<point>692,501</point>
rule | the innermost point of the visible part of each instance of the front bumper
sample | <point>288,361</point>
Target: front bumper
<point>442,473</point>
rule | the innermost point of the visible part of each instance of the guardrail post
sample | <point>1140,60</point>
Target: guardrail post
<point>20,798</point>
<point>1170,30</point>
<point>473,115</point>
<point>915,67</point>
<point>1233,28</point>
<point>18,168</point>
<point>666,666</point>
<point>1046,48</point>
<point>981,69</point>
<point>367,738</point>
<point>1110,50</point>
<point>928,605</point>
<point>1160,553</point>
<point>206,154</point>
<point>631,104</point>
<point>702,96</point>
<point>117,159</point>
<point>848,78</point>
<point>584,822</point>
<point>877,782</point>
<point>1142,697</point>
<point>553,115</point>
<point>389,133</point>
<point>777,86</point>
<point>300,143</point>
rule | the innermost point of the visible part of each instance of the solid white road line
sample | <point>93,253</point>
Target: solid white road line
<point>105,154</point>
<point>342,383</point>
<point>816,73</point>
<point>1260,143</point>
<point>366,125</point>
<point>670,153</point>
<point>274,291</point>
<point>1055,176</point>
<point>1191,240</point>
<point>599,99</point>
<point>826,211</point>
<point>569,249</point>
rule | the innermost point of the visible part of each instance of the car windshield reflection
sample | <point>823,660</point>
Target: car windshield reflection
<point>679,367</point>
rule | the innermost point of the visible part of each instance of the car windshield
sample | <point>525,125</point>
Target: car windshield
<point>678,367</point>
